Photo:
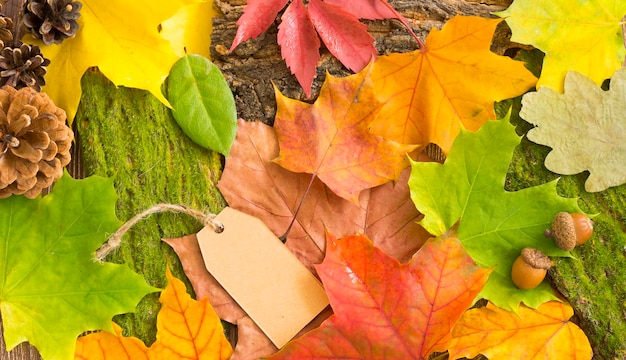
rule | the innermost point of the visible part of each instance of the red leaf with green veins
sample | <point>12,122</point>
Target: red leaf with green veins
<point>387,310</point>
<point>299,44</point>
<point>344,36</point>
<point>257,17</point>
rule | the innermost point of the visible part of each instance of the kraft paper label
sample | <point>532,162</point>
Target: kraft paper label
<point>274,288</point>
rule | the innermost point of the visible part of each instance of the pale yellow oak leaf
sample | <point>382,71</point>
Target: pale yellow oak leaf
<point>584,126</point>
<point>122,39</point>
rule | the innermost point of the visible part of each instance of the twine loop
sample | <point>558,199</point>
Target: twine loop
<point>115,240</point>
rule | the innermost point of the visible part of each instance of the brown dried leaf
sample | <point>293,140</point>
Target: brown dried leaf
<point>254,184</point>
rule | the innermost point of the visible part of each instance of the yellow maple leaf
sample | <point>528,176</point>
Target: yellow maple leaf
<point>453,81</point>
<point>122,39</point>
<point>544,333</point>
<point>186,329</point>
<point>189,30</point>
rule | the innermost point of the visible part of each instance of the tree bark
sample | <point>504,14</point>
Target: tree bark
<point>255,65</point>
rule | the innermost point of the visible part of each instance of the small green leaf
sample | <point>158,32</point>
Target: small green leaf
<point>495,224</point>
<point>203,104</point>
<point>50,288</point>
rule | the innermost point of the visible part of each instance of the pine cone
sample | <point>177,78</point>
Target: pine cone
<point>34,142</point>
<point>6,30</point>
<point>23,66</point>
<point>52,20</point>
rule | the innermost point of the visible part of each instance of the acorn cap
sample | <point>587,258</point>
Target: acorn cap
<point>563,231</point>
<point>536,258</point>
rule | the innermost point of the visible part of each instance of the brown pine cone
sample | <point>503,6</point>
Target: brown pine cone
<point>23,66</point>
<point>52,20</point>
<point>34,142</point>
<point>6,30</point>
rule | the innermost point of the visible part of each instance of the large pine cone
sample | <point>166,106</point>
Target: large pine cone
<point>34,142</point>
<point>6,31</point>
<point>23,66</point>
<point>52,20</point>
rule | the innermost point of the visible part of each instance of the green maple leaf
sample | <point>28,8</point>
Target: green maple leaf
<point>494,224</point>
<point>50,288</point>
<point>580,35</point>
<point>585,128</point>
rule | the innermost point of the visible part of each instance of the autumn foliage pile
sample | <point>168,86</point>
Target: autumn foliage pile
<point>403,245</point>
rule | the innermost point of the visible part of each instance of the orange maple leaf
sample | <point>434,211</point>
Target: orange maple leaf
<point>331,138</point>
<point>104,345</point>
<point>545,333</point>
<point>387,310</point>
<point>453,81</point>
<point>186,329</point>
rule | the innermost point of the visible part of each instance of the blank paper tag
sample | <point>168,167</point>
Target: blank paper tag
<point>273,287</point>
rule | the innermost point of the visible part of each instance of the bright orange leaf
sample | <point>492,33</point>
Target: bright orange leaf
<point>387,310</point>
<point>331,138</point>
<point>186,329</point>
<point>429,94</point>
<point>545,333</point>
<point>104,345</point>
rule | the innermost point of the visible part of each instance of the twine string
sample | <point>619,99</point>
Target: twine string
<point>115,240</point>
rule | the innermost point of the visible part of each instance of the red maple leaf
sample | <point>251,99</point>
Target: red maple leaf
<point>336,22</point>
<point>387,310</point>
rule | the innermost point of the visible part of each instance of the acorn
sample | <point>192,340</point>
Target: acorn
<point>570,230</point>
<point>530,268</point>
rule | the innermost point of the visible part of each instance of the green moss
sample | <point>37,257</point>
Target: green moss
<point>594,280</point>
<point>128,134</point>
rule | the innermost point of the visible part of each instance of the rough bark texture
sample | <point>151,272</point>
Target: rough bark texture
<point>256,64</point>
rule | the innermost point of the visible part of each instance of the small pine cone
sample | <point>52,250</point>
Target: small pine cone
<point>34,142</point>
<point>52,20</point>
<point>23,66</point>
<point>6,30</point>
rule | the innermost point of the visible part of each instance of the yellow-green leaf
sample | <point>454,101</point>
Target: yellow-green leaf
<point>580,35</point>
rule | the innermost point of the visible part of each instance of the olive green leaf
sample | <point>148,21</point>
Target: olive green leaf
<point>494,224</point>
<point>202,102</point>
<point>585,127</point>
<point>51,290</point>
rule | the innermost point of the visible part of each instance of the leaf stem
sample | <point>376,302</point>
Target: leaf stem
<point>283,238</point>
<point>404,22</point>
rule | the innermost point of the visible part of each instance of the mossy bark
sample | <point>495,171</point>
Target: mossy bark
<point>593,280</point>
<point>129,135</point>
